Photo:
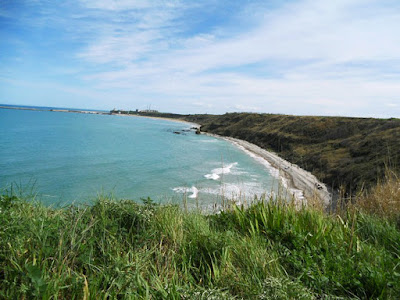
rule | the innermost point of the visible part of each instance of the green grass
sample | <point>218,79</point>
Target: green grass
<point>120,249</point>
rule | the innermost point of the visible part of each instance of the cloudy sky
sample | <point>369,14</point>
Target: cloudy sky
<point>306,57</point>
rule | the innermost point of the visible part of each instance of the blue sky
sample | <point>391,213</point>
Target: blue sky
<point>306,57</point>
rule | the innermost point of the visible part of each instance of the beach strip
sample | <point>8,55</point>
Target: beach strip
<point>303,185</point>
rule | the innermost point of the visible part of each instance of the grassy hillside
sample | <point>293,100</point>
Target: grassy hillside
<point>348,153</point>
<point>123,250</point>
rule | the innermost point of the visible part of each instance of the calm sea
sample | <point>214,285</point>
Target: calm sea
<point>70,157</point>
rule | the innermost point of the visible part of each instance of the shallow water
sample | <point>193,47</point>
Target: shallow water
<point>73,157</point>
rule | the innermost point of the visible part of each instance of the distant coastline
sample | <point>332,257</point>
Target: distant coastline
<point>93,112</point>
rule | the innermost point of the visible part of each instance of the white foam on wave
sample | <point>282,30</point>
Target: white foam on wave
<point>212,176</point>
<point>194,191</point>
<point>185,190</point>
<point>208,141</point>
<point>215,173</point>
<point>238,192</point>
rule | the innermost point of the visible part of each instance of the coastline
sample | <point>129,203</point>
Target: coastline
<point>160,118</point>
<point>94,112</point>
<point>303,185</point>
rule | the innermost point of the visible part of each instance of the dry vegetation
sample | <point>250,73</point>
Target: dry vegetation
<point>384,199</point>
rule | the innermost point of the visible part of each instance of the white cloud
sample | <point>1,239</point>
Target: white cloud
<point>118,5</point>
<point>306,31</point>
<point>392,104</point>
<point>310,31</point>
<point>245,108</point>
<point>308,57</point>
<point>203,105</point>
<point>120,50</point>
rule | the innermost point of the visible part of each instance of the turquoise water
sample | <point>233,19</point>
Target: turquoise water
<point>74,157</point>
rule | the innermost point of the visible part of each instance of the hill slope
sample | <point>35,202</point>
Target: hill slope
<point>347,152</point>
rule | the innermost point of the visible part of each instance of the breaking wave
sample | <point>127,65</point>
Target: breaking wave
<point>216,173</point>
<point>186,190</point>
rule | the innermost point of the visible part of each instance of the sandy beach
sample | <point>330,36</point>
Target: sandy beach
<point>302,184</point>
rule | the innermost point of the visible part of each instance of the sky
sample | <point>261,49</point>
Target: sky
<point>301,57</point>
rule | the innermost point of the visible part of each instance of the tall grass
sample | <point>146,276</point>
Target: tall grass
<point>384,199</point>
<point>121,249</point>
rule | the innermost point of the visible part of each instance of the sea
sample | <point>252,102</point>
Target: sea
<point>66,158</point>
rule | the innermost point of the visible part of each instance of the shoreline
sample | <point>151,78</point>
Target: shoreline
<point>303,185</point>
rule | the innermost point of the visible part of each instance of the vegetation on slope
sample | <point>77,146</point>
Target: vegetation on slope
<point>120,249</point>
<point>342,152</point>
<point>345,153</point>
